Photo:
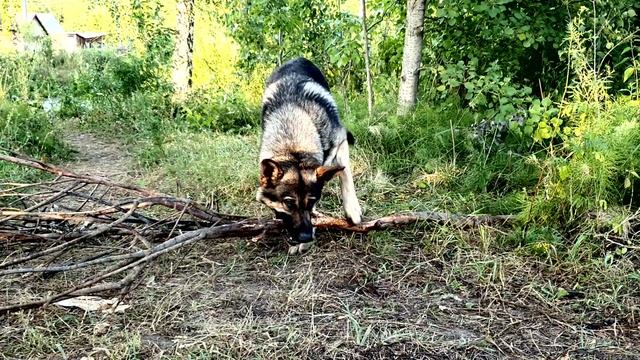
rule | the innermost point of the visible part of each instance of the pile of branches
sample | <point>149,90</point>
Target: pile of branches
<point>102,234</point>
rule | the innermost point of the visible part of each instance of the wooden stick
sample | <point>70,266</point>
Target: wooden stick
<point>399,220</point>
<point>91,234</point>
<point>177,203</point>
<point>47,201</point>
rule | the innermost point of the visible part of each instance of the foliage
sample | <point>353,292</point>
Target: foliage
<point>595,166</point>
<point>497,56</point>
<point>491,93</point>
<point>29,131</point>
<point>272,32</point>
<point>106,73</point>
<point>223,111</point>
<point>158,37</point>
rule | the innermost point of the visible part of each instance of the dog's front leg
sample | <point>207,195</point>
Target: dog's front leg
<point>349,199</point>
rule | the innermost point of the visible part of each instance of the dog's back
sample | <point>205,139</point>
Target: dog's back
<point>302,67</point>
<point>298,113</point>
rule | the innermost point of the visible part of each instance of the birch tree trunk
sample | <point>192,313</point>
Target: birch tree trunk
<point>411,56</point>
<point>367,66</point>
<point>183,53</point>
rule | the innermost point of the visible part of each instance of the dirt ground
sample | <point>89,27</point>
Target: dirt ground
<point>98,157</point>
<point>416,294</point>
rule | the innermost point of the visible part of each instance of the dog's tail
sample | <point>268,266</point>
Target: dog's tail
<point>350,139</point>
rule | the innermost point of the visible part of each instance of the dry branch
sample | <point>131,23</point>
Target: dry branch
<point>400,220</point>
<point>91,234</point>
<point>37,236</point>
<point>175,203</point>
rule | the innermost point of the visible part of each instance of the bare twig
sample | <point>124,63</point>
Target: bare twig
<point>47,201</point>
<point>177,203</point>
<point>50,250</point>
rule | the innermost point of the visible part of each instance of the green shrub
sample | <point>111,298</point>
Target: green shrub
<point>595,167</point>
<point>104,73</point>
<point>29,131</point>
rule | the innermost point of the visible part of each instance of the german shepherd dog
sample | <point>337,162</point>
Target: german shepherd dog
<point>303,146</point>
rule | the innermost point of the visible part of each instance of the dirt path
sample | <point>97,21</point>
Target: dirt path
<point>99,157</point>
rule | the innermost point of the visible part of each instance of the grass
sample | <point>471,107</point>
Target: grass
<point>440,293</point>
<point>26,129</point>
<point>214,168</point>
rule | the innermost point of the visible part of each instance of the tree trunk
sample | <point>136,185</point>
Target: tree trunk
<point>367,67</point>
<point>411,56</point>
<point>183,53</point>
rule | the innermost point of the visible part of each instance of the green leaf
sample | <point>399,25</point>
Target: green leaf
<point>561,292</point>
<point>510,91</point>
<point>628,73</point>
<point>627,182</point>
<point>441,88</point>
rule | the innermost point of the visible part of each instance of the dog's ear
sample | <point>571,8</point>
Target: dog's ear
<point>326,173</point>
<point>270,173</point>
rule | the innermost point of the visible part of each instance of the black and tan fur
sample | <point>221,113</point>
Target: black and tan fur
<point>303,146</point>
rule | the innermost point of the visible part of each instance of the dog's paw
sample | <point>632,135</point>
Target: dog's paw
<point>353,212</point>
<point>300,248</point>
<point>316,214</point>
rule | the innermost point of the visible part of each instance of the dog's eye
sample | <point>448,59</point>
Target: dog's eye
<point>311,202</point>
<point>290,203</point>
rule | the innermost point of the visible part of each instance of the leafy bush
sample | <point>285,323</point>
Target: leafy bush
<point>596,166</point>
<point>492,94</point>
<point>28,130</point>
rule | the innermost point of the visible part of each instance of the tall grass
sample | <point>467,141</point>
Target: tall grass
<point>27,130</point>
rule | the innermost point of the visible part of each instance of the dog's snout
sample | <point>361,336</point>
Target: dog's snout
<point>305,237</point>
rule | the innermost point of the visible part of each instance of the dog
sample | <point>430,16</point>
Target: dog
<point>303,146</point>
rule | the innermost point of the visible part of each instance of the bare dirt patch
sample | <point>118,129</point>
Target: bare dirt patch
<point>99,157</point>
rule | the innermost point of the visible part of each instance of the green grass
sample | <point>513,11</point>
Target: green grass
<point>27,130</point>
<point>215,168</point>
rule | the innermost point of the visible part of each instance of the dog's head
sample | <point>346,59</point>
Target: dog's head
<point>292,189</point>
